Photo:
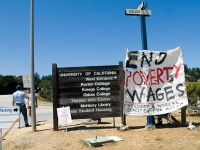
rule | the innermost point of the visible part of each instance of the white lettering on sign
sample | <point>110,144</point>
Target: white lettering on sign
<point>102,83</point>
<point>100,78</point>
<point>91,99</point>
<point>102,94</point>
<point>104,104</point>
<point>86,110</point>
<point>73,74</point>
<point>73,111</point>
<point>88,94</point>
<point>88,89</point>
<point>96,83</point>
<point>103,88</point>
<point>86,84</point>
<point>87,73</point>
<point>106,73</point>
<point>88,105</point>
<point>106,78</point>
<point>78,100</point>
<point>90,79</point>
<point>103,99</point>
<point>103,109</point>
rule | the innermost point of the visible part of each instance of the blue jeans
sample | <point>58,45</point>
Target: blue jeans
<point>23,110</point>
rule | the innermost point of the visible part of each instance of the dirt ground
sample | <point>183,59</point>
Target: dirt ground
<point>169,136</point>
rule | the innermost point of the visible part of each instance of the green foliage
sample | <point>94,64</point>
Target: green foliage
<point>37,80</point>
<point>46,82</point>
<point>8,84</point>
<point>159,138</point>
<point>194,73</point>
<point>46,94</point>
<point>46,85</point>
<point>186,69</point>
<point>193,92</point>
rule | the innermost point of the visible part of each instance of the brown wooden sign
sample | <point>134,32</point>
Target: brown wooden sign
<point>91,92</point>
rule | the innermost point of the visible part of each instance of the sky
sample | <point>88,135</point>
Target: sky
<point>77,33</point>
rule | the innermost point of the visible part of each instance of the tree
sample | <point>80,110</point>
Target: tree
<point>186,69</point>
<point>46,85</point>
<point>8,84</point>
<point>193,92</point>
<point>37,80</point>
<point>1,84</point>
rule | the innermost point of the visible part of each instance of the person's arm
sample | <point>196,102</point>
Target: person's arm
<point>26,95</point>
<point>36,104</point>
<point>13,103</point>
<point>28,103</point>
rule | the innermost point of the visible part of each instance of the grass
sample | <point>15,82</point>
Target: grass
<point>83,142</point>
<point>114,144</point>
<point>159,138</point>
<point>22,146</point>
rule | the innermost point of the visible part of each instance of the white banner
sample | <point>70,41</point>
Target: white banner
<point>156,85</point>
<point>64,115</point>
<point>26,80</point>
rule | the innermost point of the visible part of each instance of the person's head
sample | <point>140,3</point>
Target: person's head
<point>29,90</point>
<point>18,87</point>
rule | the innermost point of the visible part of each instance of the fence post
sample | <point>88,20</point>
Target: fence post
<point>183,115</point>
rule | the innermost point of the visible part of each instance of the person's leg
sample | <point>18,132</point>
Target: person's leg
<point>99,120</point>
<point>160,121</point>
<point>29,111</point>
<point>24,113</point>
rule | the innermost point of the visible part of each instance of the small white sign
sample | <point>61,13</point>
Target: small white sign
<point>64,115</point>
<point>137,12</point>
<point>26,80</point>
<point>8,115</point>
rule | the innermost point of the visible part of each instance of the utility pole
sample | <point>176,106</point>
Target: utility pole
<point>140,11</point>
<point>33,116</point>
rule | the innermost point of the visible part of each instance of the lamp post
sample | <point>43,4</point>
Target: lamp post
<point>33,116</point>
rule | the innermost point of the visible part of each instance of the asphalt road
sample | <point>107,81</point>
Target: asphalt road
<point>44,112</point>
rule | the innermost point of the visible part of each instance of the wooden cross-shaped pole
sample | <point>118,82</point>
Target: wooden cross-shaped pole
<point>140,11</point>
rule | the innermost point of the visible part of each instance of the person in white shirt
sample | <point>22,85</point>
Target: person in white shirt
<point>18,100</point>
<point>29,102</point>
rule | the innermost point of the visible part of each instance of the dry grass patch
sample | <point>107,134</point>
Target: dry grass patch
<point>168,136</point>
